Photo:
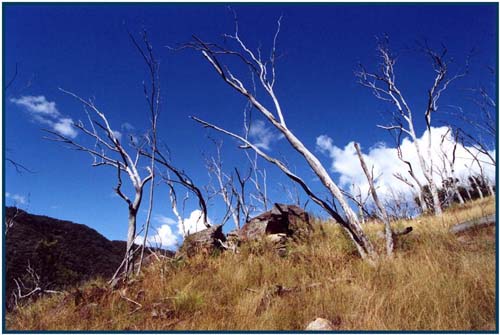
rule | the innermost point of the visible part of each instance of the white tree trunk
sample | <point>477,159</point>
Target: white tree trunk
<point>383,213</point>
<point>363,244</point>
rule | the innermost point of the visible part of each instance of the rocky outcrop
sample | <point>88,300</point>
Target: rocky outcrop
<point>290,220</point>
<point>276,226</point>
<point>205,241</point>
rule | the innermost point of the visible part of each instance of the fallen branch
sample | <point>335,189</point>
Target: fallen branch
<point>405,231</point>
<point>473,224</point>
<point>139,306</point>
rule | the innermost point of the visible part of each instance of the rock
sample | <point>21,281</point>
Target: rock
<point>320,324</point>
<point>289,220</point>
<point>233,241</point>
<point>276,238</point>
<point>205,241</point>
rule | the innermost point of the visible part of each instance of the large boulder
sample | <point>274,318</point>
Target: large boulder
<point>205,241</point>
<point>289,220</point>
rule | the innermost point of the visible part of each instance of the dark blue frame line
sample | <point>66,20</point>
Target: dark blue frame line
<point>6,331</point>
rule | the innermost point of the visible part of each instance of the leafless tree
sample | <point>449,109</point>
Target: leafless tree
<point>108,150</point>
<point>265,72</point>
<point>360,202</point>
<point>478,128</point>
<point>30,287</point>
<point>416,185</point>
<point>14,213</point>
<point>174,203</point>
<point>381,209</point>
<point>398,204</point>
<point>176,176</point>
<point>10,220</point>
<point>152,95</point>
<point>384,87</point>
<point>234,188</point>
<point>221,188</point>
<point>259,182</point>
<point>447,168</point>
<point>481,180</point>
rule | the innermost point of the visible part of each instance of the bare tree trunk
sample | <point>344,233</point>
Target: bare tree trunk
<point>468,193</point>
<point>478,188</point>
<point>383,213</point>
<point>426,169</point>
<point>213,53</point>
<point>384,87</point>
<point>361,214</point>
<point>435,199</point>
<point>359,237</point>
<point>129,253</point>
<point>459,196</point>
<point>131,234</point>
<point>490,188</point>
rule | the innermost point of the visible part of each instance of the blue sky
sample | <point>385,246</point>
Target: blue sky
<point>86,49</point>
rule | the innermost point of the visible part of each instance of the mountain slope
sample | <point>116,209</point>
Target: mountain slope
<point>61,252</point>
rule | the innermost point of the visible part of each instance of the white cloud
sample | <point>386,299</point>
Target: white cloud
<point>38,105</point>
<point>45,112</point>
<point>16,198</point>
<point>193,224</point>
<point>166,237</point>
<point>162,237</point>
<point>164,219</point>
<point>386,163</point>
<point>127,127</point>
<point>263,136</point>
<point>64,126</point>
<point>117,134</point>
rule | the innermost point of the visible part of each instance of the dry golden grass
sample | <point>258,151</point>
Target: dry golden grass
<point>435,281</point>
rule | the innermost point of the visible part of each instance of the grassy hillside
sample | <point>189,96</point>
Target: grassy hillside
<point>436,281</point>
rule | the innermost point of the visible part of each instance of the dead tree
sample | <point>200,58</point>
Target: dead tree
<point>259,182</point>
<point>398,206</point>
<point>10,220</point>
<point>108,150</point>
<point>447,168</point>
<point>477,181</point>
<point>242,194</point>
<point>265,74</point>
<point>383,214</point>
<point>478,128</point>
<point>361,204</point>
<point>152,95</point>
<point>30,287</point>
<point>384,87</point>
<point>419,188</point>
<point>231,192</point>
<point>176,176</point>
